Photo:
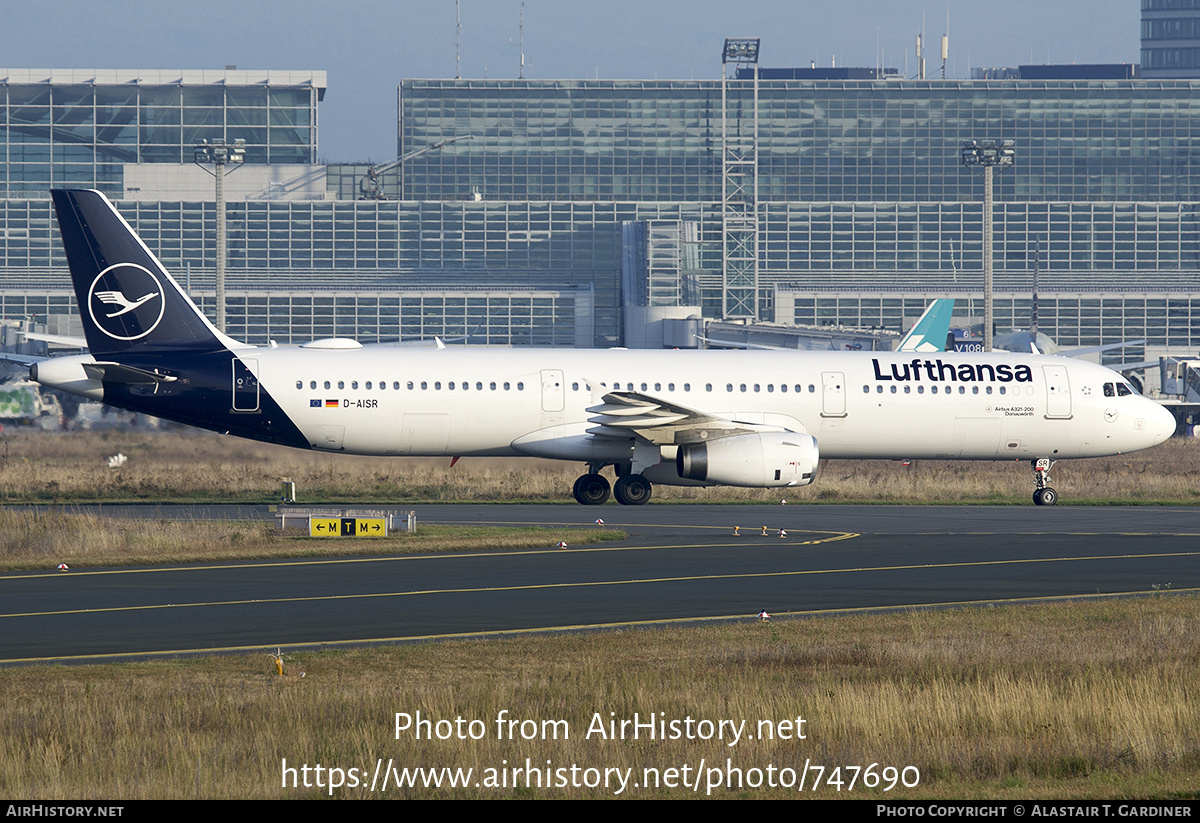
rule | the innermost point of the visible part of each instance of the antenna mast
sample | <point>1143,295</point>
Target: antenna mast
<point>946,44</point>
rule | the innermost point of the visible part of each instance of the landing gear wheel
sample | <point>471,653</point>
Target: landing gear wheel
<point>1045,497</point>
<point>591,490</point>
<point>632,490</point>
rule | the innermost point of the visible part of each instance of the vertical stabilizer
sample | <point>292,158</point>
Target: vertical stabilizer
<point>127,301</point>
<point>929,333</point>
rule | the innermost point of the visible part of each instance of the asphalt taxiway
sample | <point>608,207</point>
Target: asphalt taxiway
<point>681,563</point>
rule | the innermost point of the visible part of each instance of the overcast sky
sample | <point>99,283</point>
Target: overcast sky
<point>368,46</point>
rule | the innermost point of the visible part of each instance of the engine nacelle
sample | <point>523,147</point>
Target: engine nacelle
<point>67,373</point>
<point>754,460</point>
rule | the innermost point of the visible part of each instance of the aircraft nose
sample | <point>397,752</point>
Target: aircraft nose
<point>1160,423</point>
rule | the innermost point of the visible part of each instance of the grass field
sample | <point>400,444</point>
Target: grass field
<point>1071,701</point>
<point>45,539</point>
<point>192,466</point>
<point>1080,701</point>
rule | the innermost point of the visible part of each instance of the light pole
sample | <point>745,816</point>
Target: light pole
<point>987,155</point>
<point>218,154</point>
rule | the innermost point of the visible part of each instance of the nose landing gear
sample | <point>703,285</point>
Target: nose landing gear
<point>1043,495</point>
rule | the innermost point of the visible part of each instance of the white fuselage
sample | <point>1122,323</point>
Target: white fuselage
<point>488,401</point>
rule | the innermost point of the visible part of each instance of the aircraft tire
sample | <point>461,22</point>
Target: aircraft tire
<point>633,490</point>
<point>591,490</point>
<point>1045,497</point>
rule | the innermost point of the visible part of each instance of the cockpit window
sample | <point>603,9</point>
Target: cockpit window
<point>1123,390</point>
<point>1109,391</point>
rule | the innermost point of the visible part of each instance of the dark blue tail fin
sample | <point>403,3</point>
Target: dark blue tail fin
<point>128,302</point>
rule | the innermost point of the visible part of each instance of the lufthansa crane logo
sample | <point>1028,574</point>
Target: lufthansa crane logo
<point>126,301</point>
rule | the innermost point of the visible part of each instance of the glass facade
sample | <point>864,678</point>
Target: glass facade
<point>76,128</point>
<point>379,245</point>
<point>931,248</point>
<point>1171,38</point>
<point>484,316</point>
<point>846,141</point>
<point>1071,318</point>
<point>515,235</point>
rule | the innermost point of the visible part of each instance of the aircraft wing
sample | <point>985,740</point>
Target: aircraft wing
<point>1094,349</point>
<point>59,339</point>
<point>622,414</point>
<point>741,345</point>
<point>21,359</point>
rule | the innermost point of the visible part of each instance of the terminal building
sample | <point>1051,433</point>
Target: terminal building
<point>595,213</point>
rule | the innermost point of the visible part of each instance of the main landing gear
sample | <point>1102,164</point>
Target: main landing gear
<point>632,490</point>
<point>1043,495</point>
<point>592,489</point>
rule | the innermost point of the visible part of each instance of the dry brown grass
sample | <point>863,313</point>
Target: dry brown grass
<point>45,539</point>
<point>192,466</point>
<point>1088,700</point>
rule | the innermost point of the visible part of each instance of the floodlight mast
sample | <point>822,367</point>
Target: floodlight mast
<point>739,188</point>
<point>219,154</point>
<point>988,155</point>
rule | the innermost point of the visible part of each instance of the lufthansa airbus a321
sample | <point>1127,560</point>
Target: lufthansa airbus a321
<point>709,418</point>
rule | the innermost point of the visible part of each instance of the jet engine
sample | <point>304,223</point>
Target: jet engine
<point>754,460</point>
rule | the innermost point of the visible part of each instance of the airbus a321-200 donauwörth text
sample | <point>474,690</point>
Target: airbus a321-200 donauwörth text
<point>708,418</point>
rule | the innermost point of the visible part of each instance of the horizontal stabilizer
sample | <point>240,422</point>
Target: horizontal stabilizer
<point>116,373</point>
